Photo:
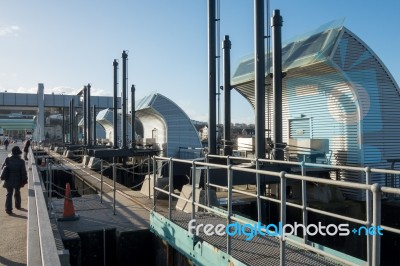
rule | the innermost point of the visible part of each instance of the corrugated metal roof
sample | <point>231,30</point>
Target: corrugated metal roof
<point>346,93</point>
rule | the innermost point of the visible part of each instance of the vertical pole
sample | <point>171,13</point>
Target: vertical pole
<point>63,126</point>
<point>171,188</point>
<point>368,198</point>
<point>94,126</point>
<point>133,138</point>
<point>259,81</point>
<point>283,218</point>
<point>193,190</point>
<point>208,182</point>
<point>148,172</point>
<point>376,241</point>
<point>259,192</point>
<point>73,130</point>
<point>84,107</point>
<point>115,105</point>
<point>230,183</point>
<point>123,98</point>
<point>89,119</point>
<point>304,200</point>
<point>226,45</point>
<point>50,186</point>
<point>154,182</point>
<point>277,83</point>
<point>114,178</point>
<point>71,122</point>
<point>212,108</point>
<point>101,181</point>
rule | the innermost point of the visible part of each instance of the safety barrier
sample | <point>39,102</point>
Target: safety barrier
<point>373,199</point>
<point>41,246</point>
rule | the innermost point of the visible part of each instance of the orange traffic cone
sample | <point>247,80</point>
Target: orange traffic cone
<point>69,211</point>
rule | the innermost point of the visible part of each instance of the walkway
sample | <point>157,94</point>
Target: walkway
<point>13,228</point>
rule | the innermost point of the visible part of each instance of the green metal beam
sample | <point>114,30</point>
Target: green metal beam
<point>201,253</point>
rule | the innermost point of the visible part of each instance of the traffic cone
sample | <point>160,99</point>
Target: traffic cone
<point>69,211</point>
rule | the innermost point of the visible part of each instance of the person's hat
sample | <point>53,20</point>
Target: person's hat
<point>16,150</point>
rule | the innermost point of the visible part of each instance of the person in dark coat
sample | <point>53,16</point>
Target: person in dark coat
<point>6,142</point>
<point>26,148</point>
<point>17,176</point>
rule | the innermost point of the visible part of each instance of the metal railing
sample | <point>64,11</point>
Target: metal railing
<point>373,198</point>
<point>40,228</point>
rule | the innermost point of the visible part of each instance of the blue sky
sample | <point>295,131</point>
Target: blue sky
<point>66,44</point>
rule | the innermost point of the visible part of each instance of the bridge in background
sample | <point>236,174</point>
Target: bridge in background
<point>37,103</point>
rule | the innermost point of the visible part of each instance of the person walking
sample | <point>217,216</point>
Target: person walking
<point>26,148</point>
<point>17,176</point>
<point>6,142</point>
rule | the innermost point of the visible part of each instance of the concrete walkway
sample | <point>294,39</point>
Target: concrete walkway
<point>13,228</point>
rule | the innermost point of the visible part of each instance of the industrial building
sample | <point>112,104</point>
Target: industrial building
<point>337,89</point>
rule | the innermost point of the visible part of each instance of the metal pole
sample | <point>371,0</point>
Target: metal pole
<point>84,107</point>
<point>50,187</point>
<point>72,121</point>
<point>277,83</point>
<point>148,172</point>
<point>283,219</point>
<point>133,138</point>
<point>193,190</point>
<point>89,117</point>
<point>63,125</point>
<point>259,81</point>
<point>171,189</point>
<point>69,122</point>
<point>259,192</point>
<point>124,99</point>
<point>115,104</point>
<point>304,200</point>
<point>114,177</point>
<point>368,198</point>
<point>208,182</point>
<point>212,108</point>
<point>154,182</point>
<point>226,45</point>
<point>94,126</point>
<point>230,183</point>
<point>376,240</point>
<point>101,181</point>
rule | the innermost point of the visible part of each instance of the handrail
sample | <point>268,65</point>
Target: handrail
<point>47,244</point>
<point>373,208</point>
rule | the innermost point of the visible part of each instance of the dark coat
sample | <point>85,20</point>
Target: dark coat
<point>17,171</point>
<point>27,144</point>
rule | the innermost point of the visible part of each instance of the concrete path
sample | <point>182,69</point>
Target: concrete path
<point>13,228</point>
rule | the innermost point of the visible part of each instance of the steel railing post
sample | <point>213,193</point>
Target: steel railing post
<point>376,241</point>
<point>208,182</point>
<point>170,188</point>
<point>101,181</point>
<point>369,213</point>
<point>50,187</point>
<point>258,184</point>
<point>154,182</point>
<point>304,200</point>
<point>230,183</point>
<point>148,173</point>
<point>283,218</point>
<point>114,183</point>
<point>193,190</point>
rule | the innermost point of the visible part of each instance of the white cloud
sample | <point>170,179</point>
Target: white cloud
<point>4,30</point>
